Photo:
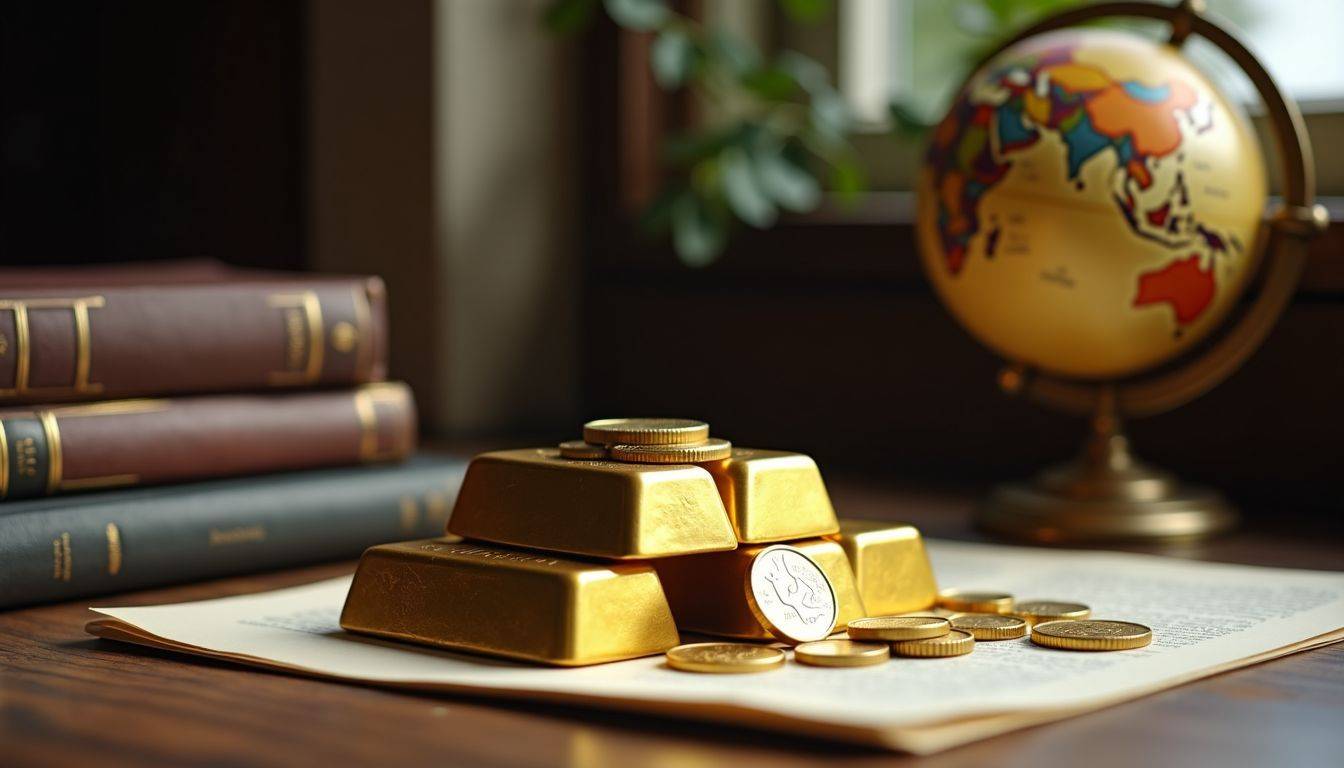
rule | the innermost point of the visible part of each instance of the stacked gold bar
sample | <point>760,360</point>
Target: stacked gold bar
<point>602,549</point>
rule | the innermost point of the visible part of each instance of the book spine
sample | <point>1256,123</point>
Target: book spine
<point>151,441</point>
<point>170,535</point>
<point>183,339</point>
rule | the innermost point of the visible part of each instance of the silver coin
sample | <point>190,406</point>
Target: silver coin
<point>790,595</point>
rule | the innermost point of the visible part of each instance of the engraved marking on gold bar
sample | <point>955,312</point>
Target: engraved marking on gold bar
<point>113,549</point>
<point>4,461</point>
<point>102,481</point>
<point>54,459</point>
<point>364,352</point>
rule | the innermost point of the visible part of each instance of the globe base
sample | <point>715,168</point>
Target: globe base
<point>1105,495</point>
<point>1038,514</point>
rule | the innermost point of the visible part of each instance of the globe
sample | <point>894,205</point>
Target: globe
<point>1090,205</point>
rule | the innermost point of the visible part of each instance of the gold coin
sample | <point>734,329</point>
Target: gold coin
<point>725,658</point>
<point>954,643</point>
<point>841,653</point>
<point>578,449</point>
<point>990,626</point>
<point>1037,611</point>
<point>645,431</point>
<point>712,449</point>
<point>1091,635</point>
<point>891,628</point>
<point>963,601</point>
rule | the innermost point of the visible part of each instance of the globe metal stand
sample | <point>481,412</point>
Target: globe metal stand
<point>1106,494</point>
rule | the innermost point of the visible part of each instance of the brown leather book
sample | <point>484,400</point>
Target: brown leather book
<point>62,448</point>
<point>184,328</point>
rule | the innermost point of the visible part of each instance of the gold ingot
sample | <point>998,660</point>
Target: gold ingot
<point>469,596</point>
<point>532,497</point>
<point>708,593</point>
<point>773,496</point>
<point>890,565</point>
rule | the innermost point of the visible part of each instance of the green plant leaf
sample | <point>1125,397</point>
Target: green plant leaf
<point>672,58</point>
<point>807,72</point>
<point>771,84</point>
<point>639,15</point>
<point>738,55</point>
<point>847,180</point>
<point>565,17</point>
<point>830,116</point>
<point>657,217</point>
<point>743,191</point>
<point>806,11</point>
<point>698,232</point>
<point>687,149</point>
<point>790,185</point>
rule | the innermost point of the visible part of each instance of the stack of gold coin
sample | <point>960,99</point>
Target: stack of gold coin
<point>647,441</point>
<point>990,626</point>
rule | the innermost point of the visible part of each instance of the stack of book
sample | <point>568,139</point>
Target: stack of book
<point>171,423</point>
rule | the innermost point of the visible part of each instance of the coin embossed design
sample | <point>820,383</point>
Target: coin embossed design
<point>725,658</point>
<point>954,643</point>
<point>1036,611</point>
<point>712,449</point>
<point>967,601</point>
<point>579,449</point>
<point>841,653</point>
<point>790,595</point>
<point>990,626</point>
<point>645,431</point>
<point>891,628</point>
<point>1091,635</point>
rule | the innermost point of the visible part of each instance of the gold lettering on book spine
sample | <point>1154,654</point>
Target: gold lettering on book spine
<point>113,549</point>
<point>4,461</point>
<point>309,348</point>
<point>62,563</point>
<point>23,345</point>
<point>54,458</point>
<point>366,399</point>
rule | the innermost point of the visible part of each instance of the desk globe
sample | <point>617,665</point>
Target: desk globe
<point>1092,209</point>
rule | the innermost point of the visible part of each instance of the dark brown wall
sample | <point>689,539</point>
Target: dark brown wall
<point>143,130</point>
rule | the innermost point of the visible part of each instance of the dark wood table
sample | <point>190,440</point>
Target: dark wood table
<point>67,698</point>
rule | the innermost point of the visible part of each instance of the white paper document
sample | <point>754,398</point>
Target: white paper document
<point>1205,617</point>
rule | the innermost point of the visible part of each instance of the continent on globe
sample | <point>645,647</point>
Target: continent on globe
<point>1183,284</point>
<point>1092,113</point>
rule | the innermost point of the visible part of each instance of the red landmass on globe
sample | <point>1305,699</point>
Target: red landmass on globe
<point>1182,284</point>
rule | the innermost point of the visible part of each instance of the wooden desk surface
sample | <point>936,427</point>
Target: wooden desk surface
<point>67,698</point>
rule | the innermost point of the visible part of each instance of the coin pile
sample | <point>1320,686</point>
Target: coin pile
<point>647,441</point>
<point>966,617</point>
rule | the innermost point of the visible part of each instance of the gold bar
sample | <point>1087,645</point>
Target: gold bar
<point>890,566</point>
<point>708,592</point>
<point>483,598</point>
<point>532,497</point>
<point>773,496</point>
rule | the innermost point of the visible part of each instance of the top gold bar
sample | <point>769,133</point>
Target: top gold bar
<point>532,497</point>
<point>773,496</point>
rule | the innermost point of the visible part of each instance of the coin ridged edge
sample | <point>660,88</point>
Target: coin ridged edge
<point>994,633</point>
<point>937,647</point>
<point>1075,643</point>
<point>596,431</point>
<point>770,661</point>
<point>872,653</point>
<point>897,634</point>
<point>694,453</point>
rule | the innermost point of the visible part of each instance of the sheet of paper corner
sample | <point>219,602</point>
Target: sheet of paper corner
<point>1206,618</point>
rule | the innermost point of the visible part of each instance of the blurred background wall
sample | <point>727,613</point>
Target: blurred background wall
<point>495,172</point>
